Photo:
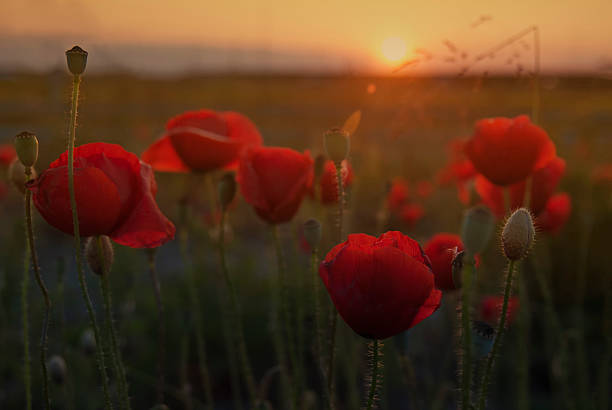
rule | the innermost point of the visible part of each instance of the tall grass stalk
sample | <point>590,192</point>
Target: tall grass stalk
<point>43,290</point>
<point>76,82</point>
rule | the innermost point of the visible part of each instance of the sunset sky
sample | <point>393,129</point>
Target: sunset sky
<point>575,34</point>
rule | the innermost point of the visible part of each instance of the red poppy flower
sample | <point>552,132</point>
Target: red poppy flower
<point>115,194</point>
<point>555,214</point>
<point>380,286</point>
<point>441,250</point>
<point>328,184</point>
<point>508,150</point>
<point>7,155</point>
<point>491,307</point>
<point>424,189</point>
<point>274,181</point>
<point>202,141</point>
<point>398,194</point>
<point>543,184</point>
<point>411,213</point>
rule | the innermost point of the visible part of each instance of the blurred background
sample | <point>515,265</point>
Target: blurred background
<point>420,72</point>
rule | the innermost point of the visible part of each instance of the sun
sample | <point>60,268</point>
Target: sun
<point>394,49</point>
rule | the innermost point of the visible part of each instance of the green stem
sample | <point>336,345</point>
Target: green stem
<point>466,336</point>
<point>501,326</point>
<point>317,317</point>
<point>25,284</point>
<point>604,375</point>
<point>236,319</point>
<point>284,313</point>
<point>375,360</point>
<point>523,354</point>
<point>115,353</point>
<point>197,317</point>
<point>76,81</point>
<point>43,290</point>
<point>161,327</point>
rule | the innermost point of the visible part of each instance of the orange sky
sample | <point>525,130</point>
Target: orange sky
<point>575,33</point>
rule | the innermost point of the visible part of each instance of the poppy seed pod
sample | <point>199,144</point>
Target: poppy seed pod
<point>337,144</point>
<point>518,235</point>
<point>57,369</point>
<point>26,146</point>
<point>478,225</point>
<point>312,232</point>
<point>483,335</point>
<point>227,189</point>
<point>100,254</point>
<point>16,174</point>
<point>77,60</point>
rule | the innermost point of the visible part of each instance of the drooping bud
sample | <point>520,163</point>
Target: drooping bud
<point>312,232</point>
<point>518,234</point>
<point>483,338</point>
<point>319,166</point>
<point>227,189</point>
<point>57,369</point>
<point>77,60</point>
<point>88,342</point>
<point>337,144</point>
<point>16,174</point>
<point>100,254</point>
<point>478,225</point>
<point>26,146</point>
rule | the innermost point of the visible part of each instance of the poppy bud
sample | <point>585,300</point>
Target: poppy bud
<point>16,174</point>
<point>337,144</point>
<point>88,342</point>
<point>319,166</point>
<point>100,254</point>
<point>26,146</point>
<point>77,60</point>
<point>478,225</point>
<point>312,232</point>
<point>483,338</point>
<point>518,234</point>
<point>57,369</point>
<point>227,190</point>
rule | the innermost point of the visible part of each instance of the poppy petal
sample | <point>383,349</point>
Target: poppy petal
<point>162,156</point>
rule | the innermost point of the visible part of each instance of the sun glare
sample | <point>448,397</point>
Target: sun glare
<point>394,49</point>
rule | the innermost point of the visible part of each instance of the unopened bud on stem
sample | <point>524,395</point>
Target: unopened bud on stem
<point>100,254</point>
<point>77,60</point>
<point>26,146</point>
<point>312,232</point>
<point>57,369</point>
<point>227,190</point>
<point>337,145</point>
<point>518,235</point>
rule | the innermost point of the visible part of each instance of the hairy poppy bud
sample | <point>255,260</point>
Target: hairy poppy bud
<point>227,189</point>
<point>478,225</point>
<point>483,338</point>
<point>100,254</point>
<point>518,234</point>
<point>16,174</point>
<point>312,232</point>
<point>26,146</point>
<point>88,342</point>
<point>77,60</point>
<point>319,166</point>
<point>337,144</point>
<point>57,369</point>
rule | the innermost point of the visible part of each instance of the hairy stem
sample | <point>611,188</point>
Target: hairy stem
<point>522,369</point>
<point>466,336</point>
<point>375,363</point>
<point>76,82</point>
<point>161,326</point>
<point>317,317</point>
<point>25,285</point>
<point>501,327</point>
<point>236,319</point>
<point>43,290</point>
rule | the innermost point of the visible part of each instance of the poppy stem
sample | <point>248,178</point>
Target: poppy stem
<point>499,333</point>
<point>236,319</point>
<point>522,369</point>
<point>161,326</point>
<point>76,82</point>
<point>25,284</point>
<point>376,354</point>
<point>196,312</point>
<point>115,353</point>
<point>317,317</point>
<point>466,335</point>
<point>43,290</point>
